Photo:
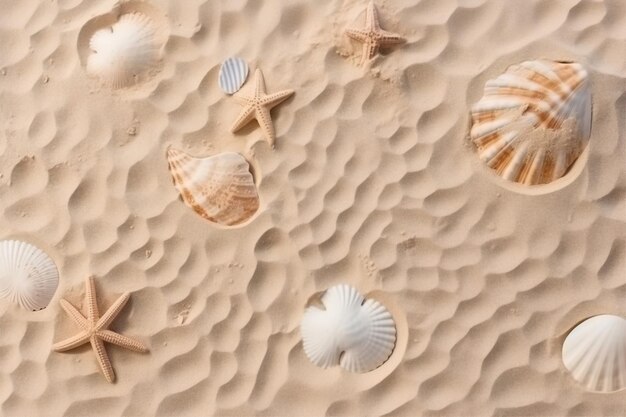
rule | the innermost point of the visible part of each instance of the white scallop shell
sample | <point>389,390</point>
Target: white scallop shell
<point>219,188</point>
<point>595,353</point>
<point>28,276</point>
<point>126,51</point>
<point>533,121</point>
<point>233,74</point>
<point>355,333</point>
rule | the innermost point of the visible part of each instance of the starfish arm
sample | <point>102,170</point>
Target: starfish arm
<point>371,17</point>
<point>275,99</point>
<point>259,83</point>
<point>370,49</point>
<point>389,38</point>
<point>121,340</point>
<point>357,34</point>
<point>75,315</point>
<point>244,118</point>
<point>92,301</point>
<point>74,341</point>
<point>112,312</point>
<point>103,358</point>
<point>265,121</point>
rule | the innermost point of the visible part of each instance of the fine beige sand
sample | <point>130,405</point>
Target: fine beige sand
<point>372,183</point>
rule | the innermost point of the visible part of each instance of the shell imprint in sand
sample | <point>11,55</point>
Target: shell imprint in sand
<point>533,121</point>
<point>355,333</point>
<point>219,188</point>
<point>595,353</point>
<point>28,276</point>
<point>233,74</point>
<point>125,52</point>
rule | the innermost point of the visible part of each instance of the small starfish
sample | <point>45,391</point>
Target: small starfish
<point>259,106</point>
<point>372,36</point>
<point>94,329</point>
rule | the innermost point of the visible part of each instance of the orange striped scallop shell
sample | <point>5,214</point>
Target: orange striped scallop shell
<point>533,121</point>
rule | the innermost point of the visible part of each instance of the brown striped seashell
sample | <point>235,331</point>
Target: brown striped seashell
<point>219,188</point>
<point>533,121</point>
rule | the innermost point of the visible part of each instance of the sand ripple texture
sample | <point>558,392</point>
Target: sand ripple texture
<point>371,184</point>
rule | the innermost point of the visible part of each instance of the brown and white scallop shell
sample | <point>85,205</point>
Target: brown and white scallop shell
<point>219,188</point>
<point>533,121</point>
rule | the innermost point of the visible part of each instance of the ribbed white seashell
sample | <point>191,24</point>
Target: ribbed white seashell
<point>533,121</point>
<point>219,188</point>
<point>357,334</point>
<point>28,276</point>
<point>233,74</point>
<point>595,353</point>
<point>126,51</point>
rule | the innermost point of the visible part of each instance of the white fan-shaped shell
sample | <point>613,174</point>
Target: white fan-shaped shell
<point>594,353</point>
<point>126,51</point>
<point>533,121</point>
<point>219,188</point>
<point>357,334</point>
<point>233,74</point>
<point>28,276</point>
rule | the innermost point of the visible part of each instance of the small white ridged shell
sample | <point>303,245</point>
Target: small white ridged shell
<point>595,353</point>
<point>28,276</point>
<point>359,336</point>
<point>126,51</point>
<point>533,121</point>
<point>219,188</point>
<point>233,74</point>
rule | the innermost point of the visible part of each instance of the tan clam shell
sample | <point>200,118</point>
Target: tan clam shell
<point>219,188</point>
<point>533,121</point>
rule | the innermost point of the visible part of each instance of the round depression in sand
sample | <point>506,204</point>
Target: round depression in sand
<point>124,47</point>
<point>594,353</point>
<point>533,123</point>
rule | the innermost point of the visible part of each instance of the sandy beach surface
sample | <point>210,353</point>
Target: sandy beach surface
<point>372,182</point>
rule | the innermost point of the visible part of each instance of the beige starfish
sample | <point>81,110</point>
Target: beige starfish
<point>94,329</point>
<point>258,106</point>
<point>372,36</point>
